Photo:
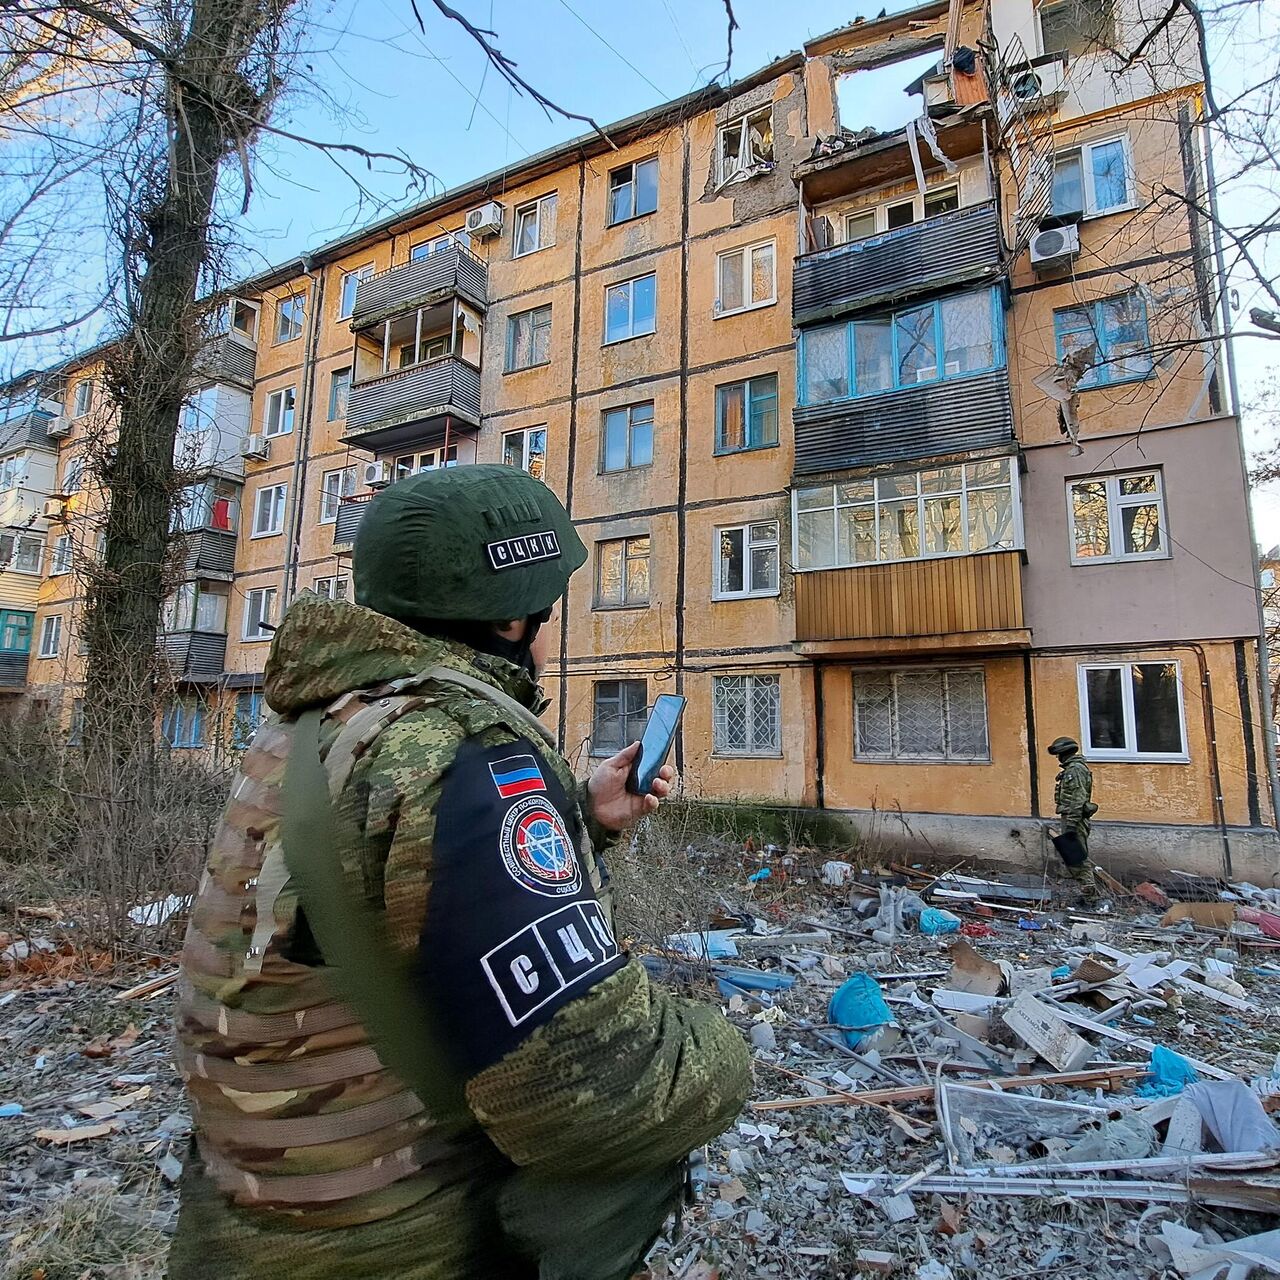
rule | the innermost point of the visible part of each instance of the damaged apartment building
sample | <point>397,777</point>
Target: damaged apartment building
<point>884,386</point>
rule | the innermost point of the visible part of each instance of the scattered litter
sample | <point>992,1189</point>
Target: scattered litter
<point>1233,1113</point>
<point>8,1109</point>
<point>858,1009</point>
<point>837,874</point>
<point>934,921</point>
<point>763,874</point>
<point>1170,1074</point>
<point>159,912</point>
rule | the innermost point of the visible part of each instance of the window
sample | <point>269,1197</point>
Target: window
<point>73,475</point>
<point>953,510</point>
<point>450,240</point>
<point>251,711</point>
<point>183,725</point>
<point>618,715</point>
<point>746,716</point>
<point>334,486</point>
<point>259,613</point>
<point>211,505</point>
<point>199,412</point>
<point>51,636</point>
<point>622,573</point>
<point>268,510</point>
<point>745,278</point>
<point>196,608</point>
<point>1117,518</point>
<point>748,561</point>
<point>950,338</point>
<point>20,554</point>
<point>920,715</point>
<point>83,400</point>
<point>747,414</point>
<point>1077,27</point>
<point>15,631</point>
<point>1116,330</point>
<point>60,561</point>
<point>211,611</point>
<point>746,146</point>
<point>335,588</point>
<point>1132,711</point>
<point>347,289</point>
<point>410,464</point>
<point>626,437</point>
<point>13,471</point>
<point>277,420</point>
<point>244,319</point>
<point>1093,179</point>
<point>289,315</point>
<point>862,223</point>
<point>633,190</point>
<point>529,339</point>
<point>534,227</point>
<point>527,450</point>
<point>339,390</point>
<point>426,348</point>
<point>858,226</point>
<point>630,308</point>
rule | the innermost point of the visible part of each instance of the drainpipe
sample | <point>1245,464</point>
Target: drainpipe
<point>1264,674</point>
<point>302,413</point>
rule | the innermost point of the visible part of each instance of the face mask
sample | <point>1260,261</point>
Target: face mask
<point>484,639</point>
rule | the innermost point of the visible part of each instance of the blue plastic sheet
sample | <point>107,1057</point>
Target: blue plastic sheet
<point>763,874</point>
<point>1170,1074</point>
<point>933,921</point>
<point>858,1008</point>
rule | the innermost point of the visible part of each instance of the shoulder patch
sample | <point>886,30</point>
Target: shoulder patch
<point>536,849</point>
<point>516,776</point>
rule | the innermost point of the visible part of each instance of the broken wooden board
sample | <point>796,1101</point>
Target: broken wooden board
<point>1042,1029</point>
<point>1212,915</point>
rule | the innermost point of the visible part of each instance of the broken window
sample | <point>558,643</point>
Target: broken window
<point>1077,27</point>
<point>1092,180</point>
<point>535,226</point>
<point>1116,329</point>
<point>622,573</point>
<point>745,278</point>
<point>277,419</point>
<point>746,715</point>
<point>527,450</point>
<point>630,308</point>
<point>1132,710</point>
<point>878,98</point>
<point>1117,518</point>
<point>633,190</point>
<point>347,289</point>
<point>746,145</point>
<point>289,316</point>
<point>334,486</point>
<point>920,715</point>
<point>618,715</point>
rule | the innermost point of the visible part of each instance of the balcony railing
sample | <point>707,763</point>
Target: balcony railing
<point>350,513</point>
<point>226,359</point>
<point>407,405</point>
<point>13,669</point>
<point>194,655</point>
<point>953,248</point>
<point>943,597</point>
<point>210,553</point>
<point>937,418</point>
<point>27,430</point>
<point>449,272</point>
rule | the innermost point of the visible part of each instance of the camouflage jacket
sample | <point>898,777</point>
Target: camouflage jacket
<point>579,1074</point>
<point>1073,792</point>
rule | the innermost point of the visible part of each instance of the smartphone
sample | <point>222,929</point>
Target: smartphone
<point>655,743</point>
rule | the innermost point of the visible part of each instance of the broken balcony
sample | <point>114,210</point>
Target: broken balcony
<point>959,247</point>
<point>451,271</point>
<point>416,377</point>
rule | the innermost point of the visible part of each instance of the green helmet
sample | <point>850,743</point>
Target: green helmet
<point>472,543</point>
<point>1063,747</point>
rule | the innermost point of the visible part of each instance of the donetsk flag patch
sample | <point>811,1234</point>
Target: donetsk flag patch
<point>517,776</point>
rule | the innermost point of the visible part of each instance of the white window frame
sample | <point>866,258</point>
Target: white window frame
<point>630,180</point>
<point>914,757</point>
<point>35,548</point>
<point>50,636</point>
<point>524,434</point>
<point>717,593</point>
<point>537,210</point>
<point>508,365</point>
<point>1116,503</point>
<point>1130,754</point>
<point>880,212</point>
<point>632,331</point>
<point>1082,150</point>
<point>277,506</point>
<point>751,749</point>
<point>327,588</point>
<point>82,401</point>
<point>61,555</point>
<point>459,239</point>
<point>334,486</point>
<point>13,471</point>
<point>268,596</point>
<point>741,124</point>
<point>250,335</point>
<point>274,399</point>
<point>745,253</point>
<point>288,301</point>
<point>359,273</point>
<point>334,384</point>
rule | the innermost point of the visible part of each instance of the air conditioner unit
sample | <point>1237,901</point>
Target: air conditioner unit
<point>54,509</point>
<point>377,475</point>
<point>486,220</point>
<point>58,427</point>
<point>1054,246</point>
<point>256,446</point>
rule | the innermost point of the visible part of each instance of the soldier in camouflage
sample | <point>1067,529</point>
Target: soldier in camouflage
<point>540,1126</point>
<point>1073,802</point>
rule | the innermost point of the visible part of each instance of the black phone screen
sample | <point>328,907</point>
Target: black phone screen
<point>659,733</point>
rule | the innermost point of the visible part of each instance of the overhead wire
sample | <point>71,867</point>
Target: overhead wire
<point>616,52</point>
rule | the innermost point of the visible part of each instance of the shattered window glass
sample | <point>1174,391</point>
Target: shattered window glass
<point>746,144</point>
<point>826,364</point>
<point>618,715</point>
<point>917,349</point>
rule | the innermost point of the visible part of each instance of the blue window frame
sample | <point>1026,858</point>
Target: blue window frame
<point>251,710</point>
<point>1117,330</point>
<point>950,337</point>
<point>15,631</point>
<point>183,726</point>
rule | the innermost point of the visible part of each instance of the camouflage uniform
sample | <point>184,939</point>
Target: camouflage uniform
<point>586,1086</point>
<point>1072,792</point>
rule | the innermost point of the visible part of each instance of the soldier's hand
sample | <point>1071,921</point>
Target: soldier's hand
<point>612,805</point>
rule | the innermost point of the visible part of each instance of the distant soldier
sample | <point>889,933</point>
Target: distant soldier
<point>1073,800</point>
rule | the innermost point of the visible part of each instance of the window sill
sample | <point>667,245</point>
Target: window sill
<point>1140,559</point>
<point>746,448</point>
<point>284,342</point>
<point>908,386</point>
<point>630,337</point>
<point>1130,757</point>
<point>528,253</point>
<point>327,520</point>
<point>746,595</point>
<point>276,435</point>
<point>270,533</point>
<point>524,368</point>
<point>718,314</point>
<point>45,657</point>
<point>622,471</point>
<point>746,755</point>
<point>972,760</point>
<point>256,639</point>
<point>618,608</point>
<point>634,217</point>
